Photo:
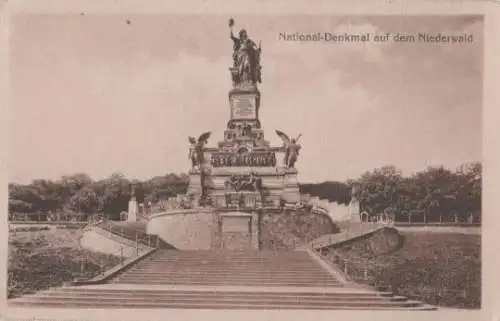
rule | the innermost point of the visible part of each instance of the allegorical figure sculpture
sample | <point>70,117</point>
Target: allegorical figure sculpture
<point>246,57</point>
<point>196,149</point>
<point>291,147</point>
<point>244,182</point>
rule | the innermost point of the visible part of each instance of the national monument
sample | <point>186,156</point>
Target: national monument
<point>236,188</point>
<point>233,183</point>
<point>243,170</point>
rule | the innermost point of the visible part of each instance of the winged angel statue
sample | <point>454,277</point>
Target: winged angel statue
<point>196,149</point>
<point>292,148</point>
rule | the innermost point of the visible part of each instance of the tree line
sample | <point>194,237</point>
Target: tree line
<point>81,195</point>
<point>434,194</point>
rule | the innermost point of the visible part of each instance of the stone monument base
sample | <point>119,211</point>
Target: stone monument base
<point>277,184</point>
<point>237,230</point>
<point>207,229</point>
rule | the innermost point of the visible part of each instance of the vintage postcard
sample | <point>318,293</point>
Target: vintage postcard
<point>252,164</point>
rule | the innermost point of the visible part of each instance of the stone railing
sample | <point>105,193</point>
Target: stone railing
<point>136,236</point>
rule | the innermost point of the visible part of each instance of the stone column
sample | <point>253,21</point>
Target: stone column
<point>133,208</point>
<point>255,231</point>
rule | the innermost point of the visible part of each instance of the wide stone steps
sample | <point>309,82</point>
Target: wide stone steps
<point>79,297</point>
<point>228,263</point>
<point>213,264</point>
<point>200,265</point>
<point>150,293</point>
<point>259,269</point>
<point>226,274</point>
<point>228,268</point>
<point>222,280</point>
<point>256,281</point>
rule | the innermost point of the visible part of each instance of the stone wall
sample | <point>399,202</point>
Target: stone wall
<point>200,228</point>
<point>204,229</point>
<point>233,226</point>
<point>98,240</point>
<point>192,229</point>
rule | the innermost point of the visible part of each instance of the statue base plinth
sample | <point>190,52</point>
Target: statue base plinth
<point>277,183</point>
<point>237,200</point>
<point>194,187</point>
<point>244,104</point>
<point>291,191</point>
<point>241,85</point>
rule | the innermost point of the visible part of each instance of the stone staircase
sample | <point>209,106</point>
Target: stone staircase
<point>257,268</point>
<point>223,280</point>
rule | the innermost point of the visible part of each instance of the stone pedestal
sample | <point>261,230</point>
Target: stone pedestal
<point>291,192</point>
<point>133,209</point>
<point>244,104</point>
<point>194,187</point>
<point>353,210</point>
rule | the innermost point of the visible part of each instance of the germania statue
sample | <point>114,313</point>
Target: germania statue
<point>246,57</point>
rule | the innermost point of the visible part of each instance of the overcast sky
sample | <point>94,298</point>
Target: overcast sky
<point>95,94</point>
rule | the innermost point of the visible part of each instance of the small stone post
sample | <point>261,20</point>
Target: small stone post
<point>102,265</point>
<point>136,244</point>
<point>81,267</point>
<point>346,267</point>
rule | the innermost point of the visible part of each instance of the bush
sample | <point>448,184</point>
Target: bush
<point>71,227</point>
<point>38,261</point>
<point>293,228</point>
<point>437,268</point>
<point>30,229</point>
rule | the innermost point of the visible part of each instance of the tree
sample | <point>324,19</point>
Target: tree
<point>72,184</point>
<point>330,190</point>
<point>116,193</point>
<point>379,189</point>
<point>85,201</point>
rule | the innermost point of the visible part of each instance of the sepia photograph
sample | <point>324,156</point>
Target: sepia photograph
<point>245,162</point>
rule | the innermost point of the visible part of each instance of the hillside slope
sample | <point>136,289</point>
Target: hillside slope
<point>290,229</point>
<point>438,268</point>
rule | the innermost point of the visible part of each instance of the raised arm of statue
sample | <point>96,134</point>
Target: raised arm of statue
<point>233,38</point>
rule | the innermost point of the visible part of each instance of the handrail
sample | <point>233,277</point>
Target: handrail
<point>362,270</point>
<point>31,222</point>
<point>137,248</point>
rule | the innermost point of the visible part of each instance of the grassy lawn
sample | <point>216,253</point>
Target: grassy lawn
<point>43,259</point>
<point>442,269</point>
